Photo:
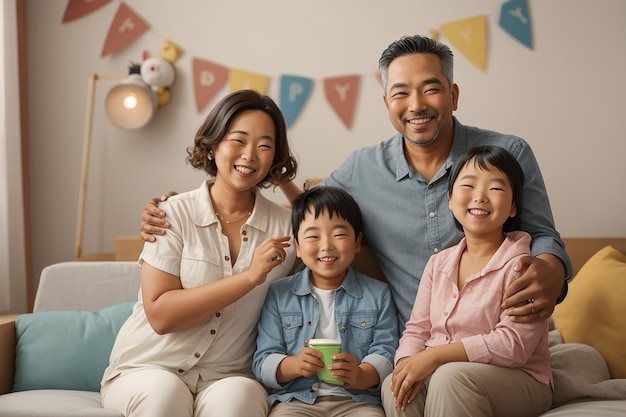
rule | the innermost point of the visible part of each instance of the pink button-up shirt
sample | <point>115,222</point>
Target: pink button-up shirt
<point>443,313</point>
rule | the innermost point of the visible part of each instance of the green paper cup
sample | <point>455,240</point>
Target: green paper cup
<point>328,347</point>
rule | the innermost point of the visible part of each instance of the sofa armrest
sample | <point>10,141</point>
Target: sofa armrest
<point>7,352</point>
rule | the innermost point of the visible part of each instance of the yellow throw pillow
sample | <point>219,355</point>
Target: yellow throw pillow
<point>593,311</point>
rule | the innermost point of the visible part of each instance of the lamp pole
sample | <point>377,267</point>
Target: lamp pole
<point>82,191</point>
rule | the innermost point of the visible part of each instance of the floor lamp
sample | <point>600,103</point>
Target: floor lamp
<point>130,104</point>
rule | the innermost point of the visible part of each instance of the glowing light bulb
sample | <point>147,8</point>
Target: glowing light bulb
<point>130,101</point>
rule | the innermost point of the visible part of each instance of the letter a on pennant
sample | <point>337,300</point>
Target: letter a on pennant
<point>126,26</point>
<point>208,79</point>
<point>469,36</point>
<point>341,93</point>
<point>294,92</point>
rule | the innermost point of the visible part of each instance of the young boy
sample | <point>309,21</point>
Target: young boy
<point>327,299</point>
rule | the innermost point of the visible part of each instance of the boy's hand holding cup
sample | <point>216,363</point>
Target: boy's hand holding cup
<point>328,347</point>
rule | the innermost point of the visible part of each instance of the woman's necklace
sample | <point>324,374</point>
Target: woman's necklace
<point>233,221</point>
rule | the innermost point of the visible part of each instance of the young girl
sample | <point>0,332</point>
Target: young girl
<point>460,354</point>
<point>187,348</point>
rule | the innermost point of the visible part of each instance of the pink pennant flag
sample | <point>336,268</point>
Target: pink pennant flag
<point>126,26</point>
<point>208,79</point>
<point>78,8</point>
<point>341,93</point>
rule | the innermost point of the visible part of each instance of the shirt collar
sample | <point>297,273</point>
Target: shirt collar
<point>205,213</point>
<point>404,169</point>
<point>350,283</point>
<point>515,243</point>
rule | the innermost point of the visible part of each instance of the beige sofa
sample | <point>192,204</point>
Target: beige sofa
<point>93,286</point>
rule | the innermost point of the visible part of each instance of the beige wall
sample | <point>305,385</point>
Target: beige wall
<point>566,97</point>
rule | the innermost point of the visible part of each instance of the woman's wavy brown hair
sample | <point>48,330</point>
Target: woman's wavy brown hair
<point>217,124</point>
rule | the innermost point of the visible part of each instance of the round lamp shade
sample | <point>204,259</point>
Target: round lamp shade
<point>131,104</point>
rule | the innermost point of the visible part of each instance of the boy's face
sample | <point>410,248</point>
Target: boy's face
<point>327,246</point>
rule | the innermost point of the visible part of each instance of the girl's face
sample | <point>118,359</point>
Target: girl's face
<point>245,154</point>
<point>482,200</point>
<point>327,246</point>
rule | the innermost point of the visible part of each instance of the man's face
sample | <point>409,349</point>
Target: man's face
<point>419,100</point>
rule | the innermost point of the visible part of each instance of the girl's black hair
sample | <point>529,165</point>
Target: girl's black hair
<point>500,158</point>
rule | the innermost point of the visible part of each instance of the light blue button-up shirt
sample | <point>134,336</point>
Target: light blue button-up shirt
<point>407,219</point>
<point>366,321</point>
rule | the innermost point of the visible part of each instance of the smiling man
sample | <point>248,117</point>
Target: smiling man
<point>400,184</point>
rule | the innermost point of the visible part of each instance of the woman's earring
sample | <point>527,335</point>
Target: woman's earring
<point>210,155</point>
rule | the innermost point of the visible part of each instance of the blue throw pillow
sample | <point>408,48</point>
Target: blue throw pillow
<point>66,349</point>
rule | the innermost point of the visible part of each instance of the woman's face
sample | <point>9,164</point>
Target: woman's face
<point>245,154</point>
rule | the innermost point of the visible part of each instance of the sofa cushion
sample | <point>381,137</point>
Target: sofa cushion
<point>66,349</point>
<point>593,311</point>
<point>54,403</point>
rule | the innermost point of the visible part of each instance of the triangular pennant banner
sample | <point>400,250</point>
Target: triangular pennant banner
<point>78,8</point>
<point>208,79</point>
<point>126,26</point>
<point>294,92</point>
<point>515,19</point>
<point>244,80</point>
<point>469,36</point>
<point>341,93</point>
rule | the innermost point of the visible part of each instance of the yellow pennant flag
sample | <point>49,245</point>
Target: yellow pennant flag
<point>469,36</point>
<point>244,80</point>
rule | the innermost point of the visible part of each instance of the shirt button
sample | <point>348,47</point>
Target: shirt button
<point>445,314</point>
<point>431,214</point>
<point>245,239</point>
<point>288,324</point>
<point>363,324</point>
<point>218,314</point>
<point>436,250</point>
<point>196,355</point>
<point>343,329</point>
<point>180,371</point>
<point>430,186</point>
<point>309,323</point>
<point>212,331</point>
<point>453,295</point>
<point>244,233</point>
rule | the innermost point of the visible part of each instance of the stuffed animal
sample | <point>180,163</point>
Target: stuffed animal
<point>159,72</point>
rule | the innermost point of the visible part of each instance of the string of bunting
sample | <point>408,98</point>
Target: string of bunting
<point>468,36</point>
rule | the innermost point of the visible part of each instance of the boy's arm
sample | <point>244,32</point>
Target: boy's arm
<point>378,363</point>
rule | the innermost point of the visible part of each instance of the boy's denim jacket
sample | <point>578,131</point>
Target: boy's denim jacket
<point>367,323</point>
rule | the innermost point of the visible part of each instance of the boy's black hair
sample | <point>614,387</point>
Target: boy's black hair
<point>501,159</point>
<point>333,200</point>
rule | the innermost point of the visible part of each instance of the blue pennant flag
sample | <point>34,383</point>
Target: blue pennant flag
<point>514,18</point>
<point>294,92</point>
